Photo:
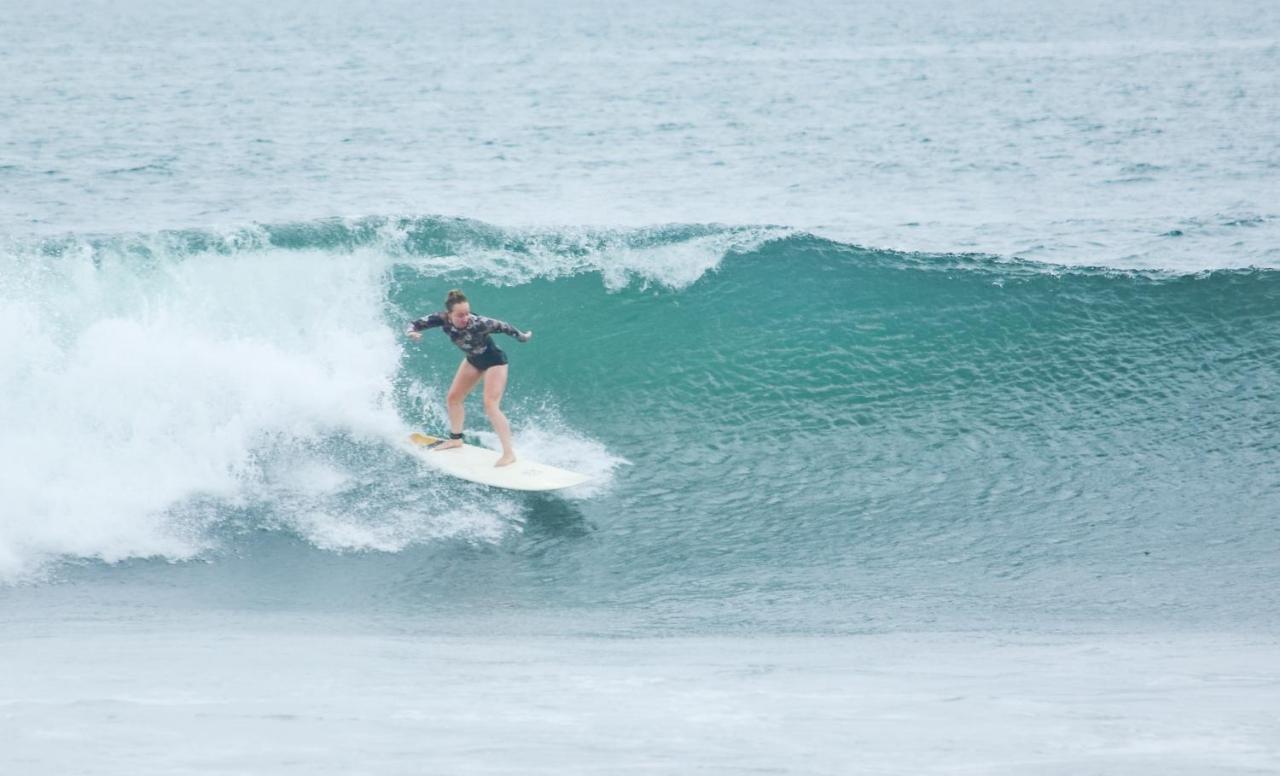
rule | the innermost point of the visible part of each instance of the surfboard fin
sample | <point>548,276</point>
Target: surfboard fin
<point>422,440</point>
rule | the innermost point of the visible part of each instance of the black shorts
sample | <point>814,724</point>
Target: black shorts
<point>491,357</point>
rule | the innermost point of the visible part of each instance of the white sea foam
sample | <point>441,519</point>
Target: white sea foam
<point>138,385</point>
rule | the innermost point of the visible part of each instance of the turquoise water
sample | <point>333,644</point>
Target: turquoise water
<point>925,359</point>
<point>1141,135</point>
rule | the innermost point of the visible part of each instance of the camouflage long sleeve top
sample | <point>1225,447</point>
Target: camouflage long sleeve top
<point>473,338</point>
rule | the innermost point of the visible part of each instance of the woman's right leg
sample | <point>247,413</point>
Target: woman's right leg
<point>463,382</point>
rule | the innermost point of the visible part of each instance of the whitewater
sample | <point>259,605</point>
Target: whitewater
<point>925,361</point>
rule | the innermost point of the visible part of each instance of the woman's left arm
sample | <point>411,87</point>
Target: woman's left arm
<point>493,324</point>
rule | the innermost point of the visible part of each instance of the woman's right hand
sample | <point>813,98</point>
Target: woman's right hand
<point>414,335</point>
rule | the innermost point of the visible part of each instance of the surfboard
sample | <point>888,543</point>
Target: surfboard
<point>475,464</point>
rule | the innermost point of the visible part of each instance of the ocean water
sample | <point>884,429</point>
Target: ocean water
<point>926,360</point>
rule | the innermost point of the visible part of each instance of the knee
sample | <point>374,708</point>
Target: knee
<point>493,406</point>
<point>454,399</point>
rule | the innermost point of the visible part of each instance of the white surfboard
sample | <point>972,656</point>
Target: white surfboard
<point>476,465</point>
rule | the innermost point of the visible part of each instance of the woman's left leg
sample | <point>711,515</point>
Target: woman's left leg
<point>495,382</point>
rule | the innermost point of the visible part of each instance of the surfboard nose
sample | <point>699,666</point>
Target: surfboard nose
<point>476,464</point>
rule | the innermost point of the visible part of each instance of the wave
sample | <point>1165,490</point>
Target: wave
<point>745,395</point>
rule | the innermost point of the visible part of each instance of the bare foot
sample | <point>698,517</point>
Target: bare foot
<point>447,444</point>
<point>506,460</point>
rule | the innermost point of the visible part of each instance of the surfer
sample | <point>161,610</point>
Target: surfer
<point>483,359</point>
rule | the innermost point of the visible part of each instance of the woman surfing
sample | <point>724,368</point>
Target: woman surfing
<point>484,359</point>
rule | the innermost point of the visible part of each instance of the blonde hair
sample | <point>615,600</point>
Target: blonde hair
<point>455,297</point>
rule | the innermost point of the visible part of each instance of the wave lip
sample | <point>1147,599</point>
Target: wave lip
<point>671,255</point>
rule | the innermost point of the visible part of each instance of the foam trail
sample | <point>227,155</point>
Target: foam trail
<point>132,386</point>
<point>158,385</point>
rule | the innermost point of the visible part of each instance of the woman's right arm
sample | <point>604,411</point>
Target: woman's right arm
<point>430,322</point>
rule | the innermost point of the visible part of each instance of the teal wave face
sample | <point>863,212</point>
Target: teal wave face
<point>926,420</point>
